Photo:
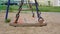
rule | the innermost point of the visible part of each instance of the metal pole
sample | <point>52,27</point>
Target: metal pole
<point>38,14</point>
<point>7,10</point>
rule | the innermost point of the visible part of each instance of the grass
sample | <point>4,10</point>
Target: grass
<point>50,9</point>
<point>41,8</point>
<point>7,21</point>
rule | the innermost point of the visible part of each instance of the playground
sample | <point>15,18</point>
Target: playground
<point>30,21</point>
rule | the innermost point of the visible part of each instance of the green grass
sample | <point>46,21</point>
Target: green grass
<point>7,21</point>
<point>41,8</point>
<point>2,7</point>
<point>50,9</point>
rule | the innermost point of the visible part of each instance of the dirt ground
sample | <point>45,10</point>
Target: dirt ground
<point>52,19</point>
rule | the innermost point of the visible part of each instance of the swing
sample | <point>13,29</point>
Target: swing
<point>40,19</point>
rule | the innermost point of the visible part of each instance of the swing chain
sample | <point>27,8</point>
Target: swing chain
<point>17,15</point>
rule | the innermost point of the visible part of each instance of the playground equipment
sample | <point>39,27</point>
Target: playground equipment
<point>15,23</point>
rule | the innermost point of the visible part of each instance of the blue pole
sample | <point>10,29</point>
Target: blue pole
<point>7,9</point>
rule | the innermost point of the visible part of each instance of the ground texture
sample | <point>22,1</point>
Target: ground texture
<point>52,19</point>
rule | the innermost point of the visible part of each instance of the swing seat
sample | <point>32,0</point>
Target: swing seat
<point>31,22</point>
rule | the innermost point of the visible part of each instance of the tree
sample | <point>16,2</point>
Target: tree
<point>49,3</point>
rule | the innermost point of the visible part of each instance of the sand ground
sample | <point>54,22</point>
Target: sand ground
<point>52,19</point>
